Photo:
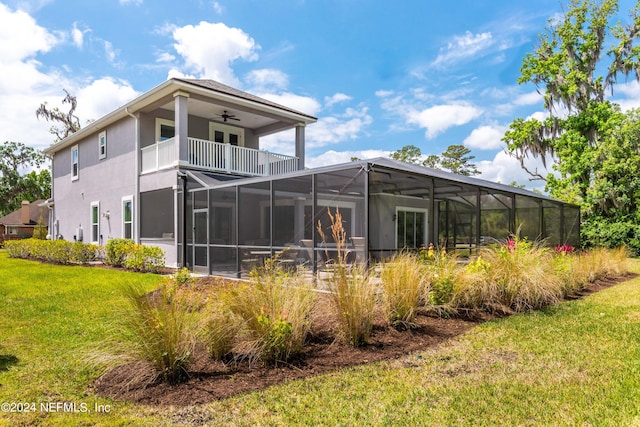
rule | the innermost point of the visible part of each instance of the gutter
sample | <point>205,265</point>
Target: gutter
<point>136,200</point>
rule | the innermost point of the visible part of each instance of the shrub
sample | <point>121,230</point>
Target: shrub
<point>442,269</point>
<point>352,292</point>
<point>221,329</point>
<point>524,275</point>
<point>83,253</point>
<point>475,289</point>
<point>54,251</point>
<point>160,329</point>
<point>117,251</point>
<point>276,309</point>
<point>404,285</point>
<point>183,277</point>
<point>17,248</point>
<point>144,258</point>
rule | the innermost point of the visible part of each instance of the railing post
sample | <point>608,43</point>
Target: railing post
<point>267,166</point>
<point>227,157</point>
<point>157,156</point>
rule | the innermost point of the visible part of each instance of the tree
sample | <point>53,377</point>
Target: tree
<point>69,121</point>
<point>582,135</point>
<point>455,159</point>
<point>16,187</point>
<point>407,154</point>
<point>566,67</point>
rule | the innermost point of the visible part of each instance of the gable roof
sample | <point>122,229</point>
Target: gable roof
<point>206,89</point>
<point>36,209</point>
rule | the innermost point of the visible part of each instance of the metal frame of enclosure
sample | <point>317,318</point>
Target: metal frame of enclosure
<point>233,224</point>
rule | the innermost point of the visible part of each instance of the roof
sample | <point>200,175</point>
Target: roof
<point>388,163</point>
<point>35,211</point>
<point>207,89</point>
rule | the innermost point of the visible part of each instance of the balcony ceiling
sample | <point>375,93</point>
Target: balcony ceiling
<point>211,111</point>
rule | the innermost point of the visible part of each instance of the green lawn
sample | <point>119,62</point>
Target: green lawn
<point>576,363</point>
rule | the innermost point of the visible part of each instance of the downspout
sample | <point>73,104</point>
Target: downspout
<point>51,206</point>
<point>136,200</point>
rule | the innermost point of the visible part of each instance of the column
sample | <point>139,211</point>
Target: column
<point>182,127</point>
<point>300,145</point>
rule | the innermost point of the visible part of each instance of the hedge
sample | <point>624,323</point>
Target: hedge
<point>119,252</point>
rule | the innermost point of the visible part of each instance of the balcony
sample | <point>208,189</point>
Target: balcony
<point>217,157</point>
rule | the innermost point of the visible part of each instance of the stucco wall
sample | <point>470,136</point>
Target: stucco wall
<point>105,181</point>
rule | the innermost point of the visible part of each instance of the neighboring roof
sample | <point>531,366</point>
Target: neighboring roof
<point>206,88</point>
<point>390,164</point>
<point>35,210</point>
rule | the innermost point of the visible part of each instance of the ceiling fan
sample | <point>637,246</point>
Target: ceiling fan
<point>226,116</point>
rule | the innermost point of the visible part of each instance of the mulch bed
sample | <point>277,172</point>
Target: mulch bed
<point>211,380</point>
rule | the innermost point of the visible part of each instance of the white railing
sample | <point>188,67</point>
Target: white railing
<point>160,155</point>
<point>229,158</point>
<point>215,156</point>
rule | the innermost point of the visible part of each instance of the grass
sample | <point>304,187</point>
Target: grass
<point>574,363</point>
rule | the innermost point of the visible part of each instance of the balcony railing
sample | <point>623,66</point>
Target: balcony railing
<point>158,156</point>
<point>215,156</point>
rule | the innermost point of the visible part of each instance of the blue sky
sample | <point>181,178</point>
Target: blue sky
<point>378,75</point>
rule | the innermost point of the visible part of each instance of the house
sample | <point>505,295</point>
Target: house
<point>21,224</point>
<point>183,167</point>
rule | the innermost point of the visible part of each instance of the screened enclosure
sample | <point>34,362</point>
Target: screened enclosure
<point>233,225</point>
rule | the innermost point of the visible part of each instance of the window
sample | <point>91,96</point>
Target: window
<point>102,144</point>
<point>411,226</point>
<point>95,222</point>
<point>74,163</point>
<point>12,230</point>
<point>157,214</point>
<point>127,217</point>
<point>165,129</point>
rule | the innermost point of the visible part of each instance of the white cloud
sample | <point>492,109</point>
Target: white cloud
<point>23,86</point>
<point>326,131</point>
<point>266,78</point>
<point>439,118</point>
<point>77,36</point>
<point>332,157</point>
<point>21,37</point>
<point>217,7</point>
<point>531,98</point>
<point>102,97</point>
<point>627,95</point>
<point>110,52</point>
<point>300,103</point>
<point>338,129</point>
<point>209,49</point>
<point>134,2</point>
<point>165,57</point>
<point>384,93</point>
<point>463,46</point>
<point>335,99</point>
<point>506,169</point>
<point>486,138</point>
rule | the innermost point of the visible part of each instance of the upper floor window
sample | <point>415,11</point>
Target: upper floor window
<point>74,163</point>
<point>102,144</point>
<point>165,129</point>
